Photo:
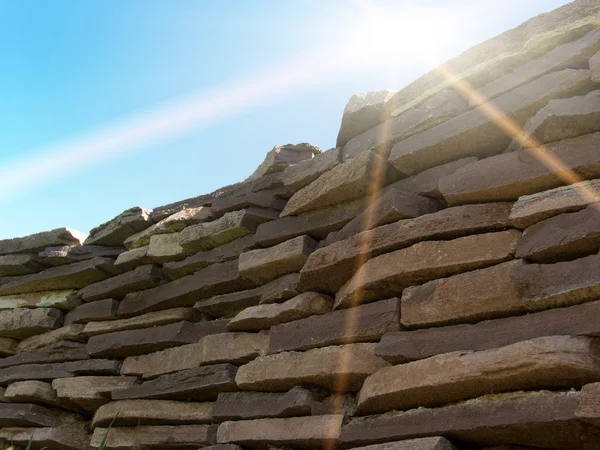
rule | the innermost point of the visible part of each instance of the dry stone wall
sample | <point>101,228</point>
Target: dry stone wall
<point>431,283</point>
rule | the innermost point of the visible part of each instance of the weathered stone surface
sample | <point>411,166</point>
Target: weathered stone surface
<point>428,443</point>
<point>253,405</point>
<point>328,268</point>
<point>261,317</point>
<point>244,196</point>
<point>170,224</point>
<point>538,419</point>
<point>72,332</point>
<point>199,384</point>
<point>571,54</point>
<point>23,264</point>
<point>65,437</point>
<point>229,304</point>
<point>511,175</point>
<point>131,259</point>
<point>595,67</point>
<point>67,254</point>
<point>463,298</point>
<point>364,111</point>
<point>24,415</point>
<point>234,348</point>
<point>281,156</point>
<point>361,324</point>
<point>8,346</point>
<point>115,231</point>
<point>391,206</point>
<point>59,352</point>
<point>439,108</point>
<point>64,300</point>
<point>318,367</point>
<point>311,432</point>
<point>70,276</point>
<point>32,391</point>
<point>213,280</point>
<point>94,311</point>
<point>475,134</point>
<point>49,372</point>
<point>37,242</point>
<point>403,346</point>
<point>531,209</point>
<point>143,277</point>
<point>316,224</point>
<point>200,260</point>
<point>206,236</point>
<point>21,323</point>
<point>389,274</point>
<point>165,247</point>
<point>280,290</point>
<point>300,175</point>
<point>152,412</point>
<point>264,265</point>
<point>163,436</point>
<point>347,181</point>
<point>557,362</point>
<point>566,236</point>
<point>223,447</point>
<point>146,340</point>
<point>147,320</point>
<point>589,406</point>
<point>90,392</point>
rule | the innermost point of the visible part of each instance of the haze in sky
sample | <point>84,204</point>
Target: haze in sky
<point>110,104</point>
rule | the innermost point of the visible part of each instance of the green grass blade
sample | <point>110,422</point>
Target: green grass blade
<point>103,443</point>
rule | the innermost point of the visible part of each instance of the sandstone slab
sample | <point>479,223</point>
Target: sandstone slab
<point>115,231</point>
<point>428,443</point>
<point>19,264</point>
<point>244,197</point>
<point>37,242</point>
<point>90,392</point>
<point>595,67</point>
<point>59,352</point>
<point>365,323</point>
<point>589,406</point>
<point>328,268</point>
<point>156,436</point>
<point>26,415</point>
<point>165,248</point>
<point>147,320</point>
<point>21,323</point>
<point>280,290</point>
<point>300,175</point>
<point>94,311</point>
<point>64,300</point>
<point>36,392</point>
<point>49,372</point>
<point>8,346</point>
<point>389,274</point>
<point>65,437</point>
<point>72,332</point>
<point>225,305</point>
<point>130,259</point>
<point>282,156</point>
<point>67,254</point>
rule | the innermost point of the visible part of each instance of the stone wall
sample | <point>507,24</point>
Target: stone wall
<point>431,283</point>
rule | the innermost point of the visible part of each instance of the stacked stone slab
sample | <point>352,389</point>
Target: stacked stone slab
<point>432,283</point>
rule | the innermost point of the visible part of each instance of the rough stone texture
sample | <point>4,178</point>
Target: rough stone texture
<point>318,367</point>
<point>37,242</point>
<point>72,332</point>
<point>59,352</point>
<point>131,259</point>
<point>64,300</point>
<point>164,436</point>
<point>389,274</point>
<point>8,346</point>
<point>282,156</point>
<point>67,254</point>
<point>70,276</point>
<point>347,181</point>
<point>316,224</point>
<point>531,209</point>
<point>49,372</point>
<point>589,406</point>
<point>280,290</point>
<point>14,265</point>
<point>439,108</point>
<point>254,405</point>
<point>566,236</point>
<point>244,197</point>
<point>595,67</point>
<point>95,311</point>
<point>403,346</point>
<point>90,392</point>
<point>21,323</point>
<point>152,412</point>
<point>511,175</point>
<point>200,260</point>
<point>36,392</point>
<point>475,134</point>
<point>391,206</point>
<point>151,319</point>
<point>65,437</point>
<point>24,415</point>
<point>115,231</point>
<point>428,443</point>
<point>199,384</point>
<point>328,268</point>
<point>557,362</point>
<point>213,280</point>
<point>137,342</point>
<point>361,324</point>
<point>165,248</point>
<point>311,432</point>
<point>211,349</point>
<point>538,419</point>
<point>261,317</point>
<point>264,265</point>
<point>300,175</point>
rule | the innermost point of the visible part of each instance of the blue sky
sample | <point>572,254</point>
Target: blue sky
<point>71,67</point>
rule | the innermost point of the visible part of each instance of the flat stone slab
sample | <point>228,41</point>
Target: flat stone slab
<point>25,415</point>
<point>300,175</point>
<point>264,265</point>
<point>115,231</point>
<point>566,236</point>
<point>318,367</point>
<point>21,323</point>
<point>64,437</point>
<point>365,323</point>
<point>49,372</point>
<point>473,133</point>
<point>130,259</point>
<point>199,384</point>
<point>64,300</point>
<point>8,346</point>
<point>165,436</point>
<point>165,248</point>
<point>23,264</point>
<point>595,67</point>
<point>36,392</point>
<point>508,176</point>
<point>428,443</point>
<point>94,311</point>
<point>37,242</point>
<point>59,352</point>
<point>589,406</point>
<point>67,254</point>
<point>243,196</point>
<point>90,392</point>
<point>329,268</point>
<point>72,332</point>
<point>282,156</point>
<point>253,405</point>
<point>389,274</point>
<point>556,362</point>
<point>311,432</point>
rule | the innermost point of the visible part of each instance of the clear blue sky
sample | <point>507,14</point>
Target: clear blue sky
<point>71,66</point>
